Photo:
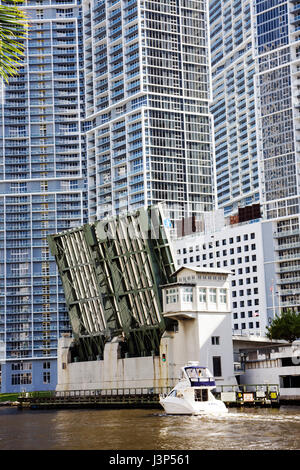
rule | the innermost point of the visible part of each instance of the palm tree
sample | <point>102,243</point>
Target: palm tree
<point>13,30</point>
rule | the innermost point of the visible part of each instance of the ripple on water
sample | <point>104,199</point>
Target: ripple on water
<point>240,429</point>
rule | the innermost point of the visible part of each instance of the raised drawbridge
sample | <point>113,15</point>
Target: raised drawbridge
<point>111,271</point>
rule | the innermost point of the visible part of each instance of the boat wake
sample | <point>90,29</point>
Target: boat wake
<point>255,415</point>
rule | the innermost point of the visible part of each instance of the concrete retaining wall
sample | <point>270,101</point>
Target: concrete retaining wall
<point>109,373</point>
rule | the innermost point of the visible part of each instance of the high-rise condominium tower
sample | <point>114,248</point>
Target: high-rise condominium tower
<point>233,69</point>
<point>277,46</point>
<point>147,91</point>
<point>255,74</point>
<point>42,173</point>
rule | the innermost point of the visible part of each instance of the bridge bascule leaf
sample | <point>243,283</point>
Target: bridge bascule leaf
<point>111,271</point>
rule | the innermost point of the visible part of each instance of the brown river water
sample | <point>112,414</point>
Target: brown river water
<point>95,429</point>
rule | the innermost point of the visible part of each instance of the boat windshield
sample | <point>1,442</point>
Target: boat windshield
<point>199,376</point>
<point>195,372</point>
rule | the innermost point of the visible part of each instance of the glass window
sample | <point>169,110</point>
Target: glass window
<point>21,379</point>
<point>217,369</point>
<point>172,296</point>
<point>223,296</point>
<point>213,296</point>
<point>202,295</point>
<point>187,295</point>
<point>46,377</point>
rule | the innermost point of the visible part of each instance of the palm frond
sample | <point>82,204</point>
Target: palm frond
<point>13,32</point>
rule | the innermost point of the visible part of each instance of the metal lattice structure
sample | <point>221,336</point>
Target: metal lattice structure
<point>111,272</point>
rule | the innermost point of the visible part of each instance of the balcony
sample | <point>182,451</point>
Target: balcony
<point>288,257</point>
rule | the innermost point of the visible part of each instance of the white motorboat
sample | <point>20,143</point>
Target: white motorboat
<point>193,393</point>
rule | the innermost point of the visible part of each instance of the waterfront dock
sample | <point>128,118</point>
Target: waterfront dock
<point>254,395</point>
<point>250,395</point>
<point>111,398</point>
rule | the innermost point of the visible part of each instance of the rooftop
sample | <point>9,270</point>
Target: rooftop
<point>197,269</point>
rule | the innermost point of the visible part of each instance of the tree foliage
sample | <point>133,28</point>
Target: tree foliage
<point>286,326</point>
<point>13,30</point>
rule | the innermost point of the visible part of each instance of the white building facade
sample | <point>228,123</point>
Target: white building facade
<point>278,365</point>
<point>246,250</point>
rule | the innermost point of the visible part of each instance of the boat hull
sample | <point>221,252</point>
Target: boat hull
<point>179,406</point>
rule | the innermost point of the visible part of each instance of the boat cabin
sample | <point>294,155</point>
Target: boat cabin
<point>198,394</point>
